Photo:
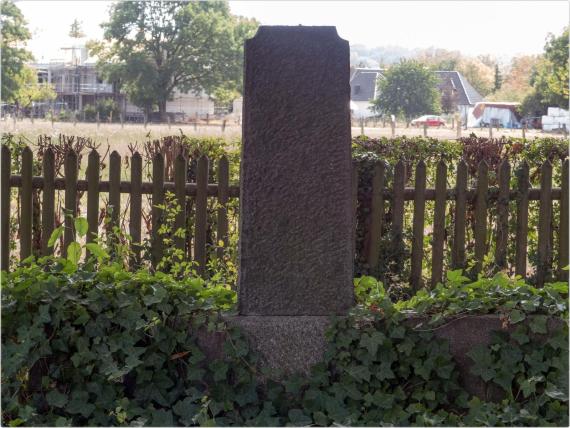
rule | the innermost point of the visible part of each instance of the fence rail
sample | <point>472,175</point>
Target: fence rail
<point>481,198</point>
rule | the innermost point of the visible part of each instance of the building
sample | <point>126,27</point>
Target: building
<point>77,84</point>
<point>457,94</point>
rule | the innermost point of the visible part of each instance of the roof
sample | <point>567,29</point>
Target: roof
<point>466,94</point>
<point>363,85</point>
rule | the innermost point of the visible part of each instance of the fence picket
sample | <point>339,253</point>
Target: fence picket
<point>157,200</point>
<point>398,211</point>
<point>458,248</point>
<point>92,174</point>
<point>563,260</point>
<point>114,189</point>
<point>522,220</point>
<point>223,184</point>
<point>439,223</point>
<point>418,227</point>
<point>544,220</point>
<point>26,204</point>
<point>480,232</point>
<point>136,207</point>
<point>201,226</point>
<point>70,169</point>
<point>48,200</point>
<point>504,176</point>
<point>376,214</point>
<point>6,196</point>
<point>180,194</point>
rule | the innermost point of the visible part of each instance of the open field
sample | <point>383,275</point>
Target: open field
<point>119,137</point>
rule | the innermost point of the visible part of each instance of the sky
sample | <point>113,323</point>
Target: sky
<point>499,28</point>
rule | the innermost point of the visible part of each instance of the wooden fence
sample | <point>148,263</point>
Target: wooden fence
<point>480,196</point>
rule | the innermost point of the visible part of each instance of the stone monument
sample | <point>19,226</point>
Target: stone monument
<point>296,217</point>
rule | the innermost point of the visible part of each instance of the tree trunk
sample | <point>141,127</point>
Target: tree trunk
<point>162,110</point>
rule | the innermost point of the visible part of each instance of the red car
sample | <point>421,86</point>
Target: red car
<point>436,121</point>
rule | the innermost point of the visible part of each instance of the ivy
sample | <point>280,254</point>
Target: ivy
<point>96,345</point>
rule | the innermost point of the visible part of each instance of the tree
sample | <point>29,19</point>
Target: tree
<point>516,82</point>
<point>498,79</point>
<point>408,89</point>
<point>549,79</point>
<point>75,30</point>
<point>30,90</point>
<point>154,47</point>
<point>14,55</point>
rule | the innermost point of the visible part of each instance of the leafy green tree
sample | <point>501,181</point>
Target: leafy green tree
<point>154,47</point>
<point>30,90</point>
<point>14,55</point>
<point>498,79</point>
<point>408,89</point>
<point>549,79</point>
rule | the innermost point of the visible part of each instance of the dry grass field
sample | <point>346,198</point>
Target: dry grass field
<point>119,137</point>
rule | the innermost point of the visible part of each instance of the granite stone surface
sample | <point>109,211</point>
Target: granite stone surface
<point>296,220</point>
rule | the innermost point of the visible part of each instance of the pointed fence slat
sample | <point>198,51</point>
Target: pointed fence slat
<point>418,227</point>
<point>136,207</point>
<point>48,200</point>
<point>563,237</point>
<point>156,212</point>
<point>439,223</point>
<point>26,204</point>
<point>180,194</point>
<point>201,226</point>
<point>70,169</point>
<point>503,215</point>
<point>114,189</point>
<point>376,214</point>
<point>5,196</point>
<point>480,232</point>
<point>521,240</point>
<point>222,223</point>
<point>544,223</point>
<point>398,212</point>
<point>458,249</point>
<point>92,174</point>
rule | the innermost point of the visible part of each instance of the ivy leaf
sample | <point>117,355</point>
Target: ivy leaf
<point>372,341</point>
<point>97,251</point>
<point>520,335</point>
<point>385,372</point>
<point>359,373</point>
<point>162,418</point>
<point>553,392</point>
<point>298,418</point>
<point>538,324</point>
<point>74,252</point>
<point>516,316</point>
<point>56,399</point>
<point>81,226</point>
<point>55,236</point>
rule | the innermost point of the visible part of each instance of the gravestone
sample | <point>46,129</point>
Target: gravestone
<point>296,217</point>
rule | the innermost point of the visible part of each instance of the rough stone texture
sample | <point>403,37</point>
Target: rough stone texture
<point>290,344</point>
<point>296,220</point>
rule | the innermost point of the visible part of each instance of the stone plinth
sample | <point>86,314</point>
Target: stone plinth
<point>296,219</point>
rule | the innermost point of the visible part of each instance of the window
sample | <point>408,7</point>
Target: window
<point>356,89</point>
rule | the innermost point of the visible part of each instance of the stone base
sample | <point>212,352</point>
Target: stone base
<point>291,344</point>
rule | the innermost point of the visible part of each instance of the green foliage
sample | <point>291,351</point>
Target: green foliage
<point>105,107</point>
<point>154,47</point>
<point>550,77</point>
<point>408,89</point>
<point>102,346</point>
<point>14,56</point>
